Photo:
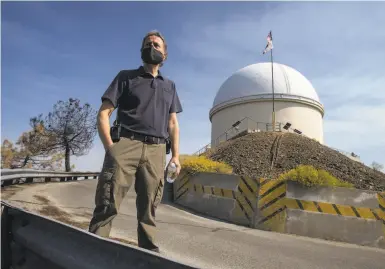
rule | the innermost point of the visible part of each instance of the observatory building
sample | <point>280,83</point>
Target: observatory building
<point>245,102</point>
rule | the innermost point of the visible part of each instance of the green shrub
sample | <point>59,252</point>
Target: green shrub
<point>309,176</point>
<point>196,164</point>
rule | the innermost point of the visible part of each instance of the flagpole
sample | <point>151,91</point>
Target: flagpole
<point>272,83</point>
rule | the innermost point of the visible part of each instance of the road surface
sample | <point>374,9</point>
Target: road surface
<point>205,242</point>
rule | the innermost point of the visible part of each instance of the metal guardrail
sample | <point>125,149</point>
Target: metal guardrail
<point>32,241</point>
<point>17,176</point>
<point>5,172</point>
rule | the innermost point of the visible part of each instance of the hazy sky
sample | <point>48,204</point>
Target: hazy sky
<point>55,50</point>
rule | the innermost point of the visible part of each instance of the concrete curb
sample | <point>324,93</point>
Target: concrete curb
<point>340,214</point>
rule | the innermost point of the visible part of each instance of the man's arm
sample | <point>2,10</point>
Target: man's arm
<point>103,121</point>
<point>109,102</point>
<point>173,127</point>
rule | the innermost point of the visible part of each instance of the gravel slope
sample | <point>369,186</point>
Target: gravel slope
<point>268,154</point>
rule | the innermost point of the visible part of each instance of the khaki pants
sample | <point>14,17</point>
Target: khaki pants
<point>126,161</point>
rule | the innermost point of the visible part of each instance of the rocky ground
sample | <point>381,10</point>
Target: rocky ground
<point>270,154</point>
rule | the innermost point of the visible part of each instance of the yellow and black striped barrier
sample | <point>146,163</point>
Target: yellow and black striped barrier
<point>381,211</point>
<point>264,202</point>
<point>182,185</point>
<point>245,196</point>
<point>334,209</point>
<point>381,202</point>
<point>272,205</point>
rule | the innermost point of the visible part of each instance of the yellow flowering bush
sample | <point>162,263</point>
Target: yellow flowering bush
<point>194,164</point>
<point>309,176</point>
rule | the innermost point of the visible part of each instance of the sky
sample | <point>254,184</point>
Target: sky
<point>52,51</point>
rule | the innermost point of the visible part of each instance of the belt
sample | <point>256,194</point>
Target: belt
<point>141,137</point>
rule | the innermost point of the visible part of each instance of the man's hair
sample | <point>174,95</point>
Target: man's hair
<point>158,34</point>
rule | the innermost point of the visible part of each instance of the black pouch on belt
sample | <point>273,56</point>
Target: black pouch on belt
<point>168,146</point>
<point>115,130</point>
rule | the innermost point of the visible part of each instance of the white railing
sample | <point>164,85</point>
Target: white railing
<point>239,128</point>
<point>247,125</point>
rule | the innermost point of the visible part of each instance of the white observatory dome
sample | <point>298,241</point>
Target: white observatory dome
<point>254,81</point>
<point>248,94</point>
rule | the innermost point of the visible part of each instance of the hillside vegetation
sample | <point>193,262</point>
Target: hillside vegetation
<point>268,155</point>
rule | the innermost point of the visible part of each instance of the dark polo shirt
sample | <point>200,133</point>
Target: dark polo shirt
<point>145,102</point>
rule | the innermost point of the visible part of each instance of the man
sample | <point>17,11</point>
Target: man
<point>147,106</point>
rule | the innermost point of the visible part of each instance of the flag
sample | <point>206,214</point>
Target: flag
<point>269,45</point>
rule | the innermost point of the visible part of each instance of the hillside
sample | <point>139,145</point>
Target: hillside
<point>268,154</point>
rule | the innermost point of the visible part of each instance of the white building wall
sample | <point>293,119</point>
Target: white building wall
<point>302,117</point>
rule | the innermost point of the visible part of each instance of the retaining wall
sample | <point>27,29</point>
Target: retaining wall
<point>341,214</point>
<point>215,195</point>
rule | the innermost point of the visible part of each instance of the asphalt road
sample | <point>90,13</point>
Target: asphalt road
<point>205,242</point>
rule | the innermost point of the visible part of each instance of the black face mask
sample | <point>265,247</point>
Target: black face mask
<point>152,56</point>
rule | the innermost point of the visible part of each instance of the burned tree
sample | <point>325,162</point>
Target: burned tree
<point>29,152</point>
<point>8,154</point>
<point>33,152</point>
<point>70,128</point>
